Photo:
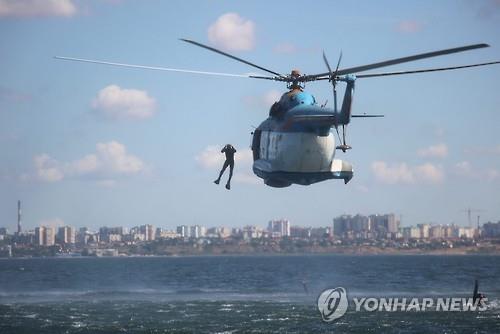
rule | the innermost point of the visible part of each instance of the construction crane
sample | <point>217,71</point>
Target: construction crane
<point>469,212</point>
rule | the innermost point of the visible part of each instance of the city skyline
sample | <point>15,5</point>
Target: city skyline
<point>391,220</point>
<point>372,227</point>
<point>373,233</point>
<point>469,221</point>
<point>84,144</point>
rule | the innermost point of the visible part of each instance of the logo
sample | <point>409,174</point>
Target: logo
<point>332,304</point>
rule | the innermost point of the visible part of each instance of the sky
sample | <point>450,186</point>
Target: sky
<point>94,145</point>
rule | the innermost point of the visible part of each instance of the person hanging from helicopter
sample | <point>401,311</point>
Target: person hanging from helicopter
<point>229,150</point>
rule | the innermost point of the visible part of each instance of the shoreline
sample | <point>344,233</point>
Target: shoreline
<point>275,254</point>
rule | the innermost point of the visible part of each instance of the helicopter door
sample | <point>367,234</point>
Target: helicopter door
<point>256,144</point>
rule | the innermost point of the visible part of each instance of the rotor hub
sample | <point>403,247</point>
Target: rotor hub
<point>295,73</point>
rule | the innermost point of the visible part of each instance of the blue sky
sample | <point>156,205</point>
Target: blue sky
<point>93,145</point>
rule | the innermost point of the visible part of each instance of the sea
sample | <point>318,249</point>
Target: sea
<point>241,294</point>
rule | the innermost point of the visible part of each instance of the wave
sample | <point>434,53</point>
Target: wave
<point>147,295</point>
<point>207,294</point>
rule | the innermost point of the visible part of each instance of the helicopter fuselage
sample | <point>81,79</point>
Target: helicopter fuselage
<point>295,145</point>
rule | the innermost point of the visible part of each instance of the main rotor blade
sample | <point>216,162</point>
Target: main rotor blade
<point>399,61</point>
<point>338,64</point>
<point>327,64</point>
<point>255,76</point>
<point>230,56</point>
<point>373,75</point>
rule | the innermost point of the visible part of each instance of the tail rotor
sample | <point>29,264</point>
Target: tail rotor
<point>333,78</point>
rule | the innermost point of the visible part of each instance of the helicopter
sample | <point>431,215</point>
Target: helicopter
<point>296,144</point>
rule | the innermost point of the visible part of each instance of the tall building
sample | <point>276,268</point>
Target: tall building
<point>111,234</point>
<point>165,234</point>
<point>251,232</point>
<point>385,223</point>
<point>149,232</point>
<point>363,227</point>
<point>45,236</point>
<point>436,232</point>
<point>466,232</point>
<point>392,223</point>
<point>19,229</point>
<point>40,235</point>
<point>347,226</point>
<point>342,225</point>
<point>66,235</point>
<point>224,232</point>
<point>491,230</point>
<point>84,236</point>
<point>220,232</point>
<point>198,231</point>
<point>300,232</point>
<point>320,232</point>
<point>448,231</point>
<point>360,223</point>
<point>183,231</point>
<point>411,232</point>
<point>279,228</point>
<point>424,230</point>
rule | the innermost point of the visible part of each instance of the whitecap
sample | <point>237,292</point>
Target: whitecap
<point>78,324</point>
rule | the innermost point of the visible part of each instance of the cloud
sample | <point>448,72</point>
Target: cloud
<point>434,151</point>
<point>492,174</point>
<point>212,159</point>
<point>290,48</point>
<point>106,183</point>
<point>9,95</point>
<point>409,26</point>
<point>271,97</point>
<point>286,48</point>
<point>495,150</point>
<point>465,169</point>
<point>430,173</point>
<point>488,9</point>
<point>48,169</point>
<point>262,101</point>
<point>362,188</point>
<point>247,178</point>
<point>37,8</point>
<point>399,173</point>
<point>120,103</point>
<point>110,160</point>
<point>232,32</point>
<point>402,173</point>
<point>87,164</point>
<point>244,157</point>
<point>113,158</point>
